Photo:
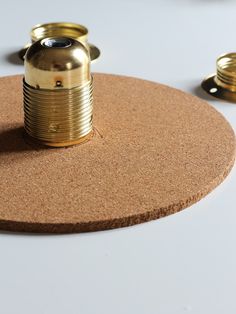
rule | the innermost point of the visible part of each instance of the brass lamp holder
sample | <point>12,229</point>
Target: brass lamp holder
<point>58,92</point>
<point>222,84</point>
<point>61,29</point>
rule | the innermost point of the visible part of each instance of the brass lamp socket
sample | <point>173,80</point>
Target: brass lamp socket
<point>61,29</point>
<point>223,84</point>
<point>58,98</point>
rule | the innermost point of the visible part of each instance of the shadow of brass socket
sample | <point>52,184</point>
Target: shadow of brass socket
<point>61,29</point>
<point>58,92</point>
<point>223,84</point>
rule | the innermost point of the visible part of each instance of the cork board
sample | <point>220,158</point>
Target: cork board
<point>155,151</point>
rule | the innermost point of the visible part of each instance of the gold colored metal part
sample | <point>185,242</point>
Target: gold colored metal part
<point>223,84</point>
<point>61,29</point>
<point>22,52</point>
<point>58,99</point>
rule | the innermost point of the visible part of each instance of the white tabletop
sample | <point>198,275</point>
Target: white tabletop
<point>185,263</point>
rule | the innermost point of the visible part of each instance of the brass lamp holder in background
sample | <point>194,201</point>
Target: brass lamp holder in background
<point>222,84</point>
<point>61,29</point>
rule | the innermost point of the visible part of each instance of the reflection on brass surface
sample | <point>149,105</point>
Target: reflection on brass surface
<point>58,100</point>
<point>223,83</point>
<point>63,29</point>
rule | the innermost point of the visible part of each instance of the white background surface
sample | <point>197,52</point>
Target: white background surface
<point>185,263</point>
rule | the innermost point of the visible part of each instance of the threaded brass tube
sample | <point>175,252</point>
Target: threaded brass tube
<point>58,92</point>
<point>226,71</point>
<point>58,118</point>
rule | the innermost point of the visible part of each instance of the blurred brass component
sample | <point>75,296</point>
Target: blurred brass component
<point>58,100</point>
<point>63,29</point>
<point>22,52</point>
<point>223,83</point>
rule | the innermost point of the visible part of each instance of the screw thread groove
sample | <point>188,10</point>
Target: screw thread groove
<point>60,116</point>
<point>226,71</point>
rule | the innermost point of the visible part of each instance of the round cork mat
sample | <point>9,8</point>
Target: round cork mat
<point>155,151</point>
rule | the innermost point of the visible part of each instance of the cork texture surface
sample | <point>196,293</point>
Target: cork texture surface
<point>155,151</point>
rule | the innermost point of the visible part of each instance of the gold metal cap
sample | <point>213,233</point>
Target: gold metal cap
<point>61,29</point>
<point>58,98</point>
<point>223,84</point>
<point>57,62</point>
